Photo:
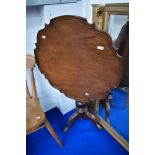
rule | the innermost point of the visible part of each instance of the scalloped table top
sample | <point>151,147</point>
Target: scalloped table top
<point>77,59</point>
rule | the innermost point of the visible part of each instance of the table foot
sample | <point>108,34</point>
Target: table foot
<point>81,113</point>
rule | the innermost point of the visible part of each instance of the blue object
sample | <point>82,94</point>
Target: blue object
<point>83,138</point>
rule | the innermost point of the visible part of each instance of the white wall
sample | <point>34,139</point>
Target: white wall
<point>36,17</point>
<point>51,11</point>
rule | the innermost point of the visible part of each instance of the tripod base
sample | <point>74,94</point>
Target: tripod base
<point>81,113</point>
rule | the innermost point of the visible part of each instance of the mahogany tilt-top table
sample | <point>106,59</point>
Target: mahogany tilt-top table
<point>78,60</point>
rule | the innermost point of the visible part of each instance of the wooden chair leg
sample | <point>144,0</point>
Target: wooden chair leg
<point>52,132</point>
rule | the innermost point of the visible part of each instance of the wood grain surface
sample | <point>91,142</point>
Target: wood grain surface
<point>77,59</point>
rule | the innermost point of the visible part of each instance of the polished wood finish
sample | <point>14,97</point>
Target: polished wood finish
<point>77,59</point>
<point>35,117</point>
<point>81,113</point>
<point>122,43</point>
